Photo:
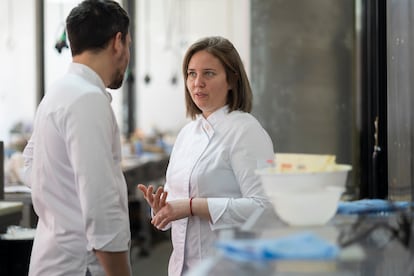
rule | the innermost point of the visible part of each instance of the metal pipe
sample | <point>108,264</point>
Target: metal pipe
<point>40,56</point>
<point>128,101</point>
<point>1,170</point>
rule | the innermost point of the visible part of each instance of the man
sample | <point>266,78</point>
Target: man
<point>73,159</point>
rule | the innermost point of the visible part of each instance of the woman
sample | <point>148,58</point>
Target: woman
<point>210,180</point>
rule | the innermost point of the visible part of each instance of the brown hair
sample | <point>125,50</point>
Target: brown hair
<point>240,96</point>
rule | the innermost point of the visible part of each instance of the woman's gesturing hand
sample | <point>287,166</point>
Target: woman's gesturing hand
<point>173,210</point>
<point>156,200</point>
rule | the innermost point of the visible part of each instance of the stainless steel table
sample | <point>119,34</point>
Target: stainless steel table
<point>10,213</point>
<point>373,252</point>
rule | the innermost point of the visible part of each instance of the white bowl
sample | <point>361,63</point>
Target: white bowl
<point>306,208</point>
<point>275,182</point>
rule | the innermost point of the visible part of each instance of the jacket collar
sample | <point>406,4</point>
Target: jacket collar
<point>86,72</point>
<point>215,117</point>
<point>209,124</point>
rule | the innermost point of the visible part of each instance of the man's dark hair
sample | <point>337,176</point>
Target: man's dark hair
<point>93,23</point>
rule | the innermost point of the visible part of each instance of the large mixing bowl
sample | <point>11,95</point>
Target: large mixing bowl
<point>275,181</point>
<point>305,197</point>
<point>307,208</point>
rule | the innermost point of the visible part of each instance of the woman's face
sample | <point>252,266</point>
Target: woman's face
<point>207,82</point>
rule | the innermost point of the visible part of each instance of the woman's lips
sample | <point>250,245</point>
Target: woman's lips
<point>200,95</point>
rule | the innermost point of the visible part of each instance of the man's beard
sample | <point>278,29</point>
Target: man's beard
<point>117,81</point>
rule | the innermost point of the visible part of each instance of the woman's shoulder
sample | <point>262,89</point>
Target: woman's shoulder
<point>246,129</point>
<point>242,118</point>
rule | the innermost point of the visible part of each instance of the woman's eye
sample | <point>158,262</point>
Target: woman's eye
<point>209,73</point>
<point>191,74</point>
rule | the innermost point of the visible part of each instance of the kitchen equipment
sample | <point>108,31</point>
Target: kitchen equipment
<point>307,207</point>
<point>275,181</point>
<point>304,189</point>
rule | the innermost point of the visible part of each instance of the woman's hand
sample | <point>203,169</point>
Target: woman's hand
<point>172,210</point>
<point>157,200</point>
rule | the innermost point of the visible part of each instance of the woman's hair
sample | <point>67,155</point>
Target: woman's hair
<point>240,96</point>
<point>93,23</point>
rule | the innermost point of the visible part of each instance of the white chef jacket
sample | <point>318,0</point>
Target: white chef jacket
<point>73,165</point>
<point>215,158</point>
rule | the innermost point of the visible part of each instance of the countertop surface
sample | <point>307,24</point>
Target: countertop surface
<point>374,252</point>
<point>9,207</point>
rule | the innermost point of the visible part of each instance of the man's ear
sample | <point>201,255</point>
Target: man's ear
<point>117,43</point>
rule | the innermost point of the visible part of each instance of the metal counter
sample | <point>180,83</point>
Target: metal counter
<point>374,253</point>
<point>10,214</point>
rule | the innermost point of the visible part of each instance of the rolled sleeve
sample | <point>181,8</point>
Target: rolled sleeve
<point>230,212</point>
<point>216,207</point>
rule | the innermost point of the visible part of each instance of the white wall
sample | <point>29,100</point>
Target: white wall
<point>165,28</point>
<point>17,64</point>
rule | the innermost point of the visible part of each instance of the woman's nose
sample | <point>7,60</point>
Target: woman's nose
<point>198,81</point>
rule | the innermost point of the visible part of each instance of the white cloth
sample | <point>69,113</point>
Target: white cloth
<point>73,165</point>
<point>215,159</point>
